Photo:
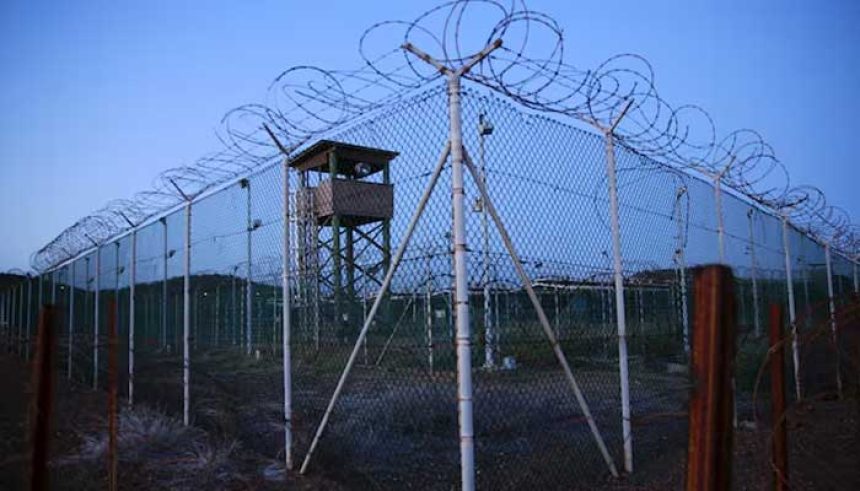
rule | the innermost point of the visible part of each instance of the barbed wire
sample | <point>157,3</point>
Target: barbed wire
<point>304,102</point>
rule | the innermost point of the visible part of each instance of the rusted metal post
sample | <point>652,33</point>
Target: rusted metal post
<point>42,403</point>
<point>779,438</point>
<point>709,458</point>
<point>113,380</point>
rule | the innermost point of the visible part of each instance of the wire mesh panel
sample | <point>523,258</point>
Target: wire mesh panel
<point>577,278</point>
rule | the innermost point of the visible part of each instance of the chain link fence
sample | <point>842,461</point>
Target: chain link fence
<point>395,423</point>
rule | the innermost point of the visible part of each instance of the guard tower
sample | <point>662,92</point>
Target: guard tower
<point>344,205</point>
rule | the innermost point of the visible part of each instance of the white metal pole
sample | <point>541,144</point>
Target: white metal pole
<point>832,308</point>
<point>132,278</point>
<point>489,331</point>
<point>792,315</point>
<point>164,288</point>
<point>621,317</point>
<point>275,320</point>
<point>233,304</point>
<point>249,304</point>
<point>461,291</point>
<point>557,314</point>
<point>186,320</point>
<point>807,306</point>
<point>682,265</point>
<point>286,326</point>
<point>754,275</point>
<point>718,204</point>
<point>116,285</point>
<point>71,321</point>
<point>96,318</point>
<point>195,309</point>
<point>428,311</point>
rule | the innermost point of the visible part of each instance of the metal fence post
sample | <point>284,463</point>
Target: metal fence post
<point>832,309</point>
<point>620,314</point>
<point>186,319</point>
<point>779,446</point>
<point>754,275</point>
<point>461,292</point>
<point>249,304</point>
<point>164,301</point>
<point>286,325</point>
<point>233,304</point>
<point>792,316</point>
<point>42,398</point>
<point>132,278</point>
<point>54,274</point>
<point>71,321</point>
<point>485,129</point>
<point>718,204</point>
<point>96,319</point>
<point>709,458</point>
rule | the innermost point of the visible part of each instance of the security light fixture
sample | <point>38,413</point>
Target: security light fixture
<point>362,169</point>
<point>485,127</point>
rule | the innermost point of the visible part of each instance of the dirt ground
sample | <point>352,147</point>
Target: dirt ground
<point>156,452</point>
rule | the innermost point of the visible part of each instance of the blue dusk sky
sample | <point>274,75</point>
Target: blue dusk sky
<point>98,97</point>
